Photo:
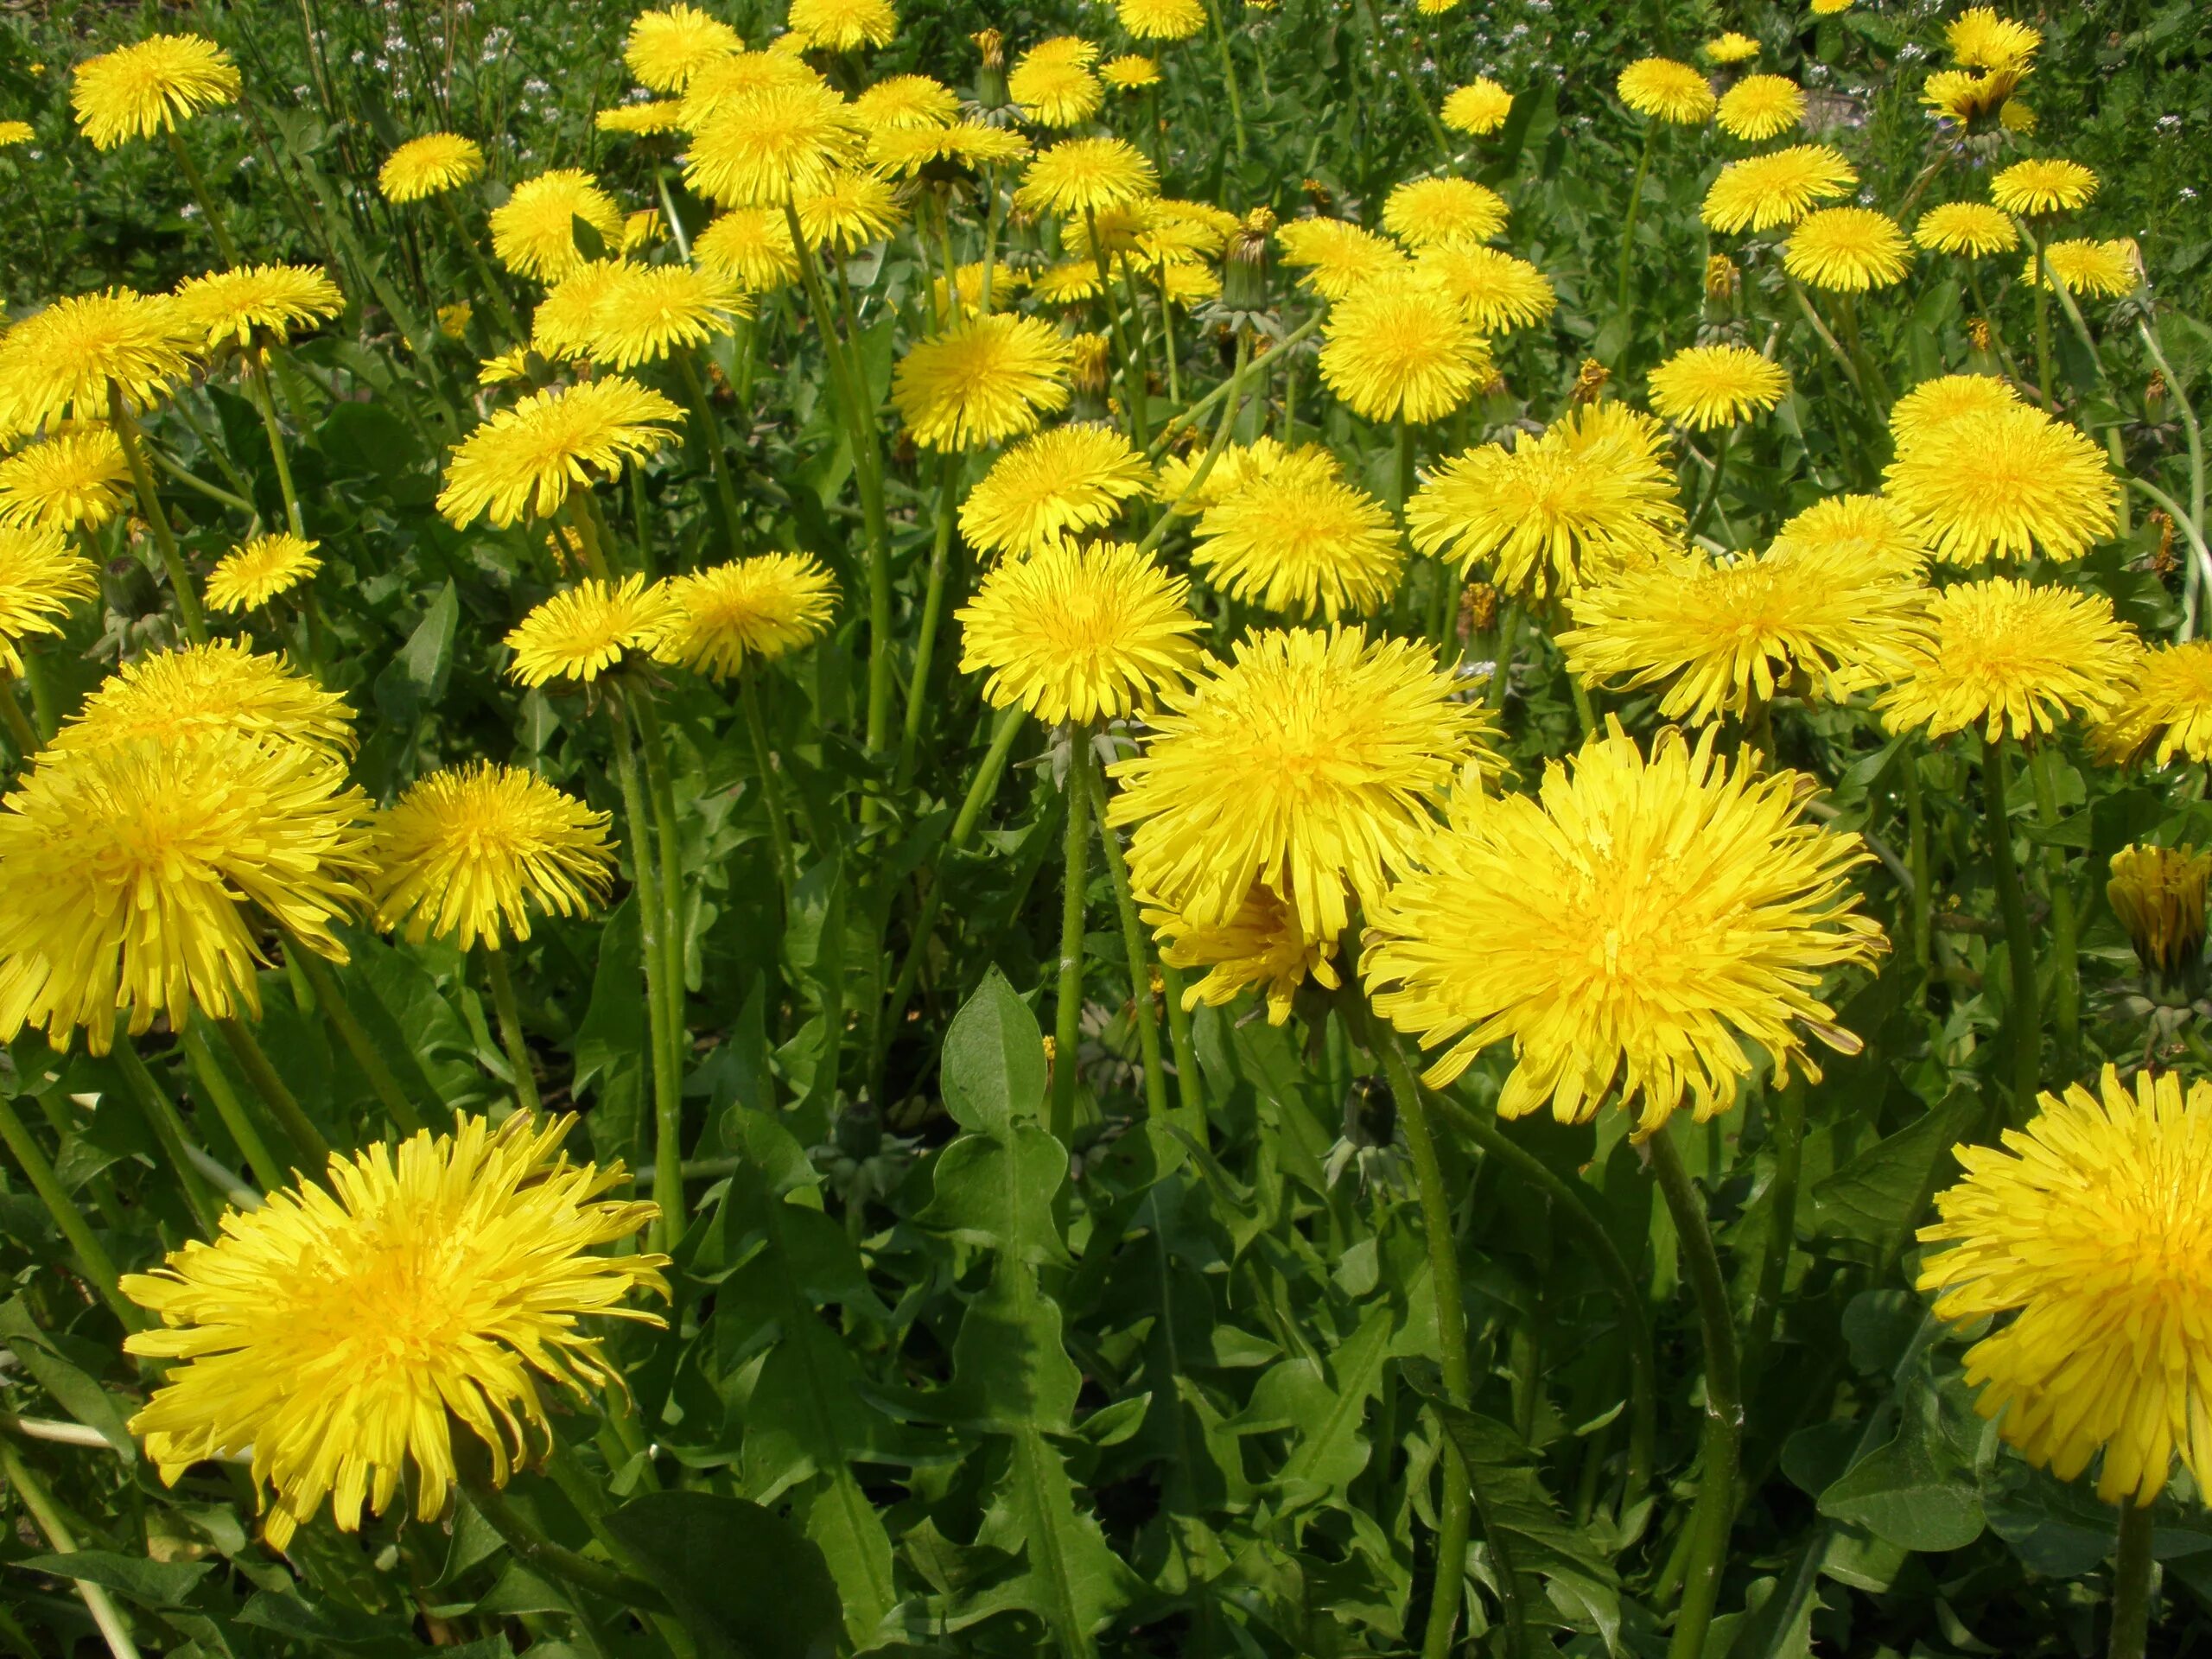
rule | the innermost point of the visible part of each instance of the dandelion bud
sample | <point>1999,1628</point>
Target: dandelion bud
<point>1478,609</point>
<point>2154,391</point>
<point>2162,559</point>
<point>1318,193</point>
<point>1091,365</point>
<point>1590,381</point>
<point>2157,894</point>
<point>1979,333</point>
<point>992,45</point>
<point>1722,279</point>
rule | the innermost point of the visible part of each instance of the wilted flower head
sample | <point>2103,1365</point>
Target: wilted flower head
<point>2157,895</point>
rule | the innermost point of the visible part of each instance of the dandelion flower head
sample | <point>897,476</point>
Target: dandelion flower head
<point>1759,107</point>
<point>232,305</point>
<point>667,48</point>
<point>1161,20</point>
<point>430,166</point>
<point>526,458</point>
<point>1261,944</point>
<point>2157,895</point>
<point>1401,349</point>
<point>779,143</point>
<point>41,577</point>
<point>850,211</point>
<point>1048,487</point>
<point>1301,541</point>
<point>1733,46</point>
<point>1496,290</point>
<point>1477,109</point>
<point>62,362</point>
<point>2003,483</point>
<point>1085,176</point>
<point>1934,404</point>
<point>2006,656</point>
<point>751,610</point>
<point>842,25</point>
<point>1339,258</point>
<point>1980,39</point>
<point>2165,708</point>
<point>645,120</point>
<point>904,101</point>
<point>1972,228</point>
<point>752,246</point>
<point>2103,270</point>
<point>1867,530</point>
<point>1702,387</point>
<point>985,379</point>
<point>1423,212</point>
<point>141,90</point>
<point>620,312</point>
<point>251,575</point>
<point>1847,250</point>
<point>73,480</point>
<point>1129,72</point>
<point>1666,90</point>
<point>582,631</point>
<point>175,696</point>
<point>1763,191</point>
<point>2033,187</point>
<point>534,231</point>
<point>728,83</point>
<point>1053,85</point>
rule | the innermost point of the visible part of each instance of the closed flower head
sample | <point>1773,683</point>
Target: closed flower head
<point>752,610</point>
<point>2158,895</point>
<point>2005,656</point>
<point>984,379</point>
<point>525,459</point>
<point>140,91</point>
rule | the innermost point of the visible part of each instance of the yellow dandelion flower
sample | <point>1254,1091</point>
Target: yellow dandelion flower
<point>1301,541</point>
<point>906,101</point>
<point>667,48</point>
<point>2016,116</point>
<point>465,853</point>
<point>764,151</point>
<point>2165,708</point>
<point>1129,72</point>
<point>62,362</point>
<point>1477,109</point>
<point>2083,1239</point>
<point>454,319</point>
<point>524,460</point>
<point>534,231</point>
<point>250,575</point>
<point>565,320</point>
<point>2157,895</point>
<point>1045,488</point>
<point>1085,176</point>
<point>620,314</point>
<point>642,229</point>
<point>1759,107</point>
<point>967,292</point>
<point>1666,90</point>
<point>1238,464</point>
<point>1965,97</point>
<point>2103,270</point>
<point>72,481</point>
<point>1971,228</point>
<point>755,609</point>
<point>1847,250</point>
<point>140,90</point>
<point>1069,284</point>
<point>751,246</point>
<point>841,25</point>
<point>1864,530</point>
<point>1595,491</point>
<point>644,120</point>
<point>509,367</point>
<point>430,166</point>
<point>1932,405</point>
<point>230,305</point>
<point>1261,944</point>
<point>128,873</point>
<point>1402,350</point>
<point>1339,258</point>
<point>175,697</point>
<point>2031,188</point>
<point>1423,212</point>
<point>1161,20</point>
<point>2003,484</point>
<point>984,379</point>
<point>1980,39</point>
<point>1309,763</point>
<point>1702,387</point>
<point>849,212</point>
<point>15,133</point>
<point>961,148</point>
<point>339,1332</point>
<point>1494,290</point>
<point>1797,620</point>
<point>1054,88</point>
<point>1076,635</point>
<point>1631,930</point>
<point>41,576</point>
<point>582,631</point>
<point>1830,8</point>
<point>728,83</point>
<point>2005,656</point>
<point>1733,46</point>
<point>1767,191</point>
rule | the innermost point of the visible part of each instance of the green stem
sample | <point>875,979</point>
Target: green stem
<point>1923,896</point>
<point>1220,443</point>
<point>668,1101</point>
<point>1228,74</point>
<point>764,765</point>
<point>1712,496</point>
<point>150,507</point>
<point>1067,1016</point>
<point>1786,1123</point>
<point>2130,1584</point>
<point>933,619</point>
<point>257,376</point>
<point>511,1037</point>
<point>487,278</point>
<point>1635,209</point>
<point>1713,1518</point>
<point>2043,282</point>
<point>1189,1085</point>
<point>1133,946</point>
<point>20,729</point>
<point>93,1259</point>
<point>267,1172</point>
<point>107,1617</point>
<point>2013,906</point>
<point>540,1553</point>
<point>2065,967</point>
<point>161,1115</point>
<point>216,227</point>
<point>1508,628</point>
<point>708,425</point>
<point>308,1144</point>
<point>589,542</point>
<point>331,996</point>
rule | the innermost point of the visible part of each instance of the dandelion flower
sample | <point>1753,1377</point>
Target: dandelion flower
<point>1302,541</point>
<point>729,83</point>
<point>63,361</point>
<point>1703,387</point>
<point>2002,484</point>
<point>15,133</point>
<point>1631,930</point>
<point>2157,895</point>
<point>1847,250</point>
<point>1962,96</point>
<point>1308,765</point>
<point>2084,1240</point>
<point>454,319</point>
<point>2165,710</point>
<point>1238,465</point>
<point>142,89</point>
<point>174,697</point>
<point>1767,191</point>
<point>534,232</point>
<point>755,609</point>
<point>1733,46</point>
<point>2008,656</point>
<point>906,101</point>
<point>1423,212</point>
<point>1971,228</point>
<point>1932,405</point>
<point>850,211</point>
<point>41,576</point>
<point>1864,530</point>
<point>524,459</point>
<point>752,246</point>
<point>338,1332</point>
<point>1074,635</point>
<point>1668,91</point>
<point>2033,187</point>
<point>1161,20</point>
<point>1477,109</point>
<point>1830,8</point>
<point>779,144</point>
<point>250,575</point>
<point>667,48</point>
<point>1815,622</point>
<point>230,305</point>
<point>466,852</point>
<point>642,229</point>
<point>1339,258</point>
<point>72,481</point>
<point>1759,107</point>
<point>430,166</point>
<point>1980,39</point>
<point>1056,88</point>
<point>127,871</point>
<point>984,379</point>
<point>645,120</point>
<point>2103,270</point>
<point>1494,290</point>
<point>1045,488</point>
<point>567,318</point>
<point>1085,176</point>
<point>1129,72</point>
<point>1261,944</point>
<point>842,25</point>
<point>1402,350</point>
<point>966,295</point>
<point>620,314</point>
<point>1596,490</point>
<point>581,631</point>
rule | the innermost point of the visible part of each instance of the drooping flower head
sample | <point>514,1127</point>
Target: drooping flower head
<point>141,89</point>
<point>906,101</point>
<point>466,852</point>
<point>1077,635</point>
<point>526,458</point>
<point>1309,764</point>
<point>1072,478</point>
<point>782,142</point>
<point>842,25</point>
<point>1596,490</point>
<point>174,696</point>
<point>2165,708</point>
<point>129,872</point>
<point>1971,228</point>
<point>233,305</point>
<point>752,246</point>
<point>2034,187</point>
<point>1631,930</point>
<point>1759,107</point>
<point>1477,109</point>
<point>2006,656</point>
<point>251,575</point>
<point>751,610</point>
<point>1301,541</point>
<point>2089,1239</point>
<point>338,1331</point>
<point>582,631</point>
<point>1847,250</point>
<point>1261,944</point>
<point>61,362</point>
<point>1402,350</point>
<point>1666,90</point>
<point>1767,191</point>
<point>1702,387</point>
<point>2157,895</point>
<point>2003,483</point>
<point>667,48</point>
<point>1423,212</point>
<point>2103,270</point>
<point>41,577</point>
<point>984,379</point>
<point>1085,176</point>
<point>430,166</point>
<point>74,481</point>
<point>1496,290</point>
<point>534,231</point>
<point>1339,258</point>
<point>1965,97</point>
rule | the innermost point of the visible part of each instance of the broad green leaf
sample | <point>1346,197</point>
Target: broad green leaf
<point>746,1583</point>
<point>73,1390</point>
<point>149,1583</point>
<point>994,1065</point>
